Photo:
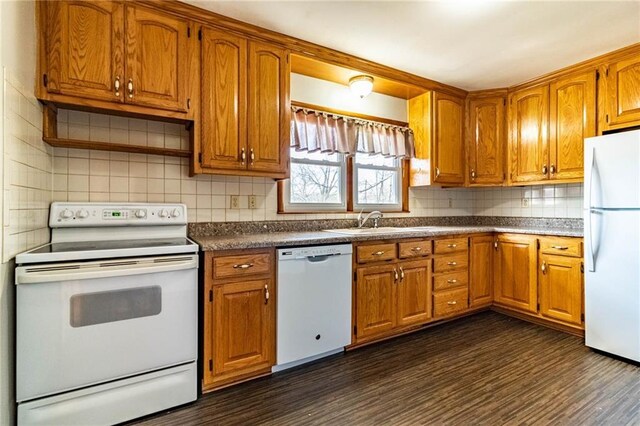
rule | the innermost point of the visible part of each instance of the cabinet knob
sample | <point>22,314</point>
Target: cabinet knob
<point>552,169</point>
<point>266,294</point>
<point>243,156</point>
<point>252,156</point>
<point>544,169</point>
<point>130,88</point>
<point>416,249</point>
<point>473,175</point>
<point>437,171</point>
<point>116,85</point>
<point>452,281</point>
<point>453,302</point>
<point>452,263</point>
<point>395,273</point>
<point>544,267</point>
<point>401,274</point>
<point>377,253</point>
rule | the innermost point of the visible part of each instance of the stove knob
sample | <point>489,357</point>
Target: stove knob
<point>141,214</point>
<point>82,214</point>
<point>175,213</point>
<point>163,213</point>
<point>66,214</point>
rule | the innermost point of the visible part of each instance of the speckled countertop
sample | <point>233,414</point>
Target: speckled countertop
<point>306,238</point>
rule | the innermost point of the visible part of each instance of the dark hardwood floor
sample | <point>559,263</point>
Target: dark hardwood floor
<point>484,369</point>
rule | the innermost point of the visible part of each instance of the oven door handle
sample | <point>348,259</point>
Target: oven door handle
<point>104,269</point>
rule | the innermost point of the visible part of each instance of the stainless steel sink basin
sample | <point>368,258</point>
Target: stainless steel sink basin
<point>369,231</point>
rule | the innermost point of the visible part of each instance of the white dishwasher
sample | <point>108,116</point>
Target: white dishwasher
<point>314,303</point>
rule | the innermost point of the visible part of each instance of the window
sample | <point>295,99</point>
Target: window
<point>317,182</point>
<point>377,182</point>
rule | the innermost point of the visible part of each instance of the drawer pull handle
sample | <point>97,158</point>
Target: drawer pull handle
<point>266,294</point>
<point>243,156</point>
<point>116,85</point>
<point>395,273</point>
<point>560,247</point>
<point>401,274</point>
<point>452,263</point>
<point>453,281</point>
<point>453,302</point>
<point>544,267</point>
<point>130,88</point>
<point>452,245</point>
<point>416,249</point>
<point>377,253</point>
<point>243,266</point>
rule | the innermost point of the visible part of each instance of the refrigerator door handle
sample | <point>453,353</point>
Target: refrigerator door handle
<point>592,263</point>
<point>591,175</point>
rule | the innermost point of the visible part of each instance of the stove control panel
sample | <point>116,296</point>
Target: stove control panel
<point>71,215</point>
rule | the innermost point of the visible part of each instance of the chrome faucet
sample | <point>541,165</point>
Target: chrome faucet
<point>362,221</point>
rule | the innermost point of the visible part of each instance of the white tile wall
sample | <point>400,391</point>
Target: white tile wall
<point>28,171</point>
<point>83,175</point>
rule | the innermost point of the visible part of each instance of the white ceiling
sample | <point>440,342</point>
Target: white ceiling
<point>471,44</point>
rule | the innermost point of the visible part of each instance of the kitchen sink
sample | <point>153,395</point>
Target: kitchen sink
<point>370,231</point>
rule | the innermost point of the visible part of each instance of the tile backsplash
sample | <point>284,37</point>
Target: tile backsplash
<point>86,175</point>
<point>27,171</point>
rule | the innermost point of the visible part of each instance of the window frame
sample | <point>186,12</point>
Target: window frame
<point>349,186</point>
<point>397,206</point>
<point>284,189</point>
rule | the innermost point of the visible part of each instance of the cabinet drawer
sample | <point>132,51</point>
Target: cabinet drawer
<point>448,281</point>
<point>561,246</point>
<point>414,249</point>
<point>448,302</point>
<point>242,265</point>
<point>450,245</point>
<point>451,263</point>
<point>376,252</point>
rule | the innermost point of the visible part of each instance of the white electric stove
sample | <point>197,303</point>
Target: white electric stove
<point>106,315</point>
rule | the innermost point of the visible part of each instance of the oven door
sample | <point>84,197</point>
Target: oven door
<point>84,323</point>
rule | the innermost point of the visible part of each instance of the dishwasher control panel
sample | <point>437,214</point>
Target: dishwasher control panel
<point>315,251</point>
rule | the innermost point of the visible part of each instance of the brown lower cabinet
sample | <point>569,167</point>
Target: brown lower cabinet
<point>515,272</point>
<point>239,316</point>
<point>481,270</point>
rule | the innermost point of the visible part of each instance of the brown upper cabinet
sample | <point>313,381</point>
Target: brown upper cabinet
<point>109,51</point>
<point>245,106</point>
<point>548,125</point>
<point>437,120</point>
<point>621,87</point>
<point>486,139</point>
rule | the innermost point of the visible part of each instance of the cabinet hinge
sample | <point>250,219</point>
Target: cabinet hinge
<point>355,276</point>
<point>582,268</point>
<point>200,34</point>
<point>504,176</point>
<point>45,79</point>
<point>538,307</point>
<point>606,71</point>
<point>468,242</point>
<point>355,330</point>
<point>597,75</point>
<point>538,244</point>
<point>200,157</point>
<point>188,31</point>
<point>504,101</point>
<point>188,103</point>
<point>210,365</point>
<point>210,295</point>
<point>607,118</point>
<point>582,317</point>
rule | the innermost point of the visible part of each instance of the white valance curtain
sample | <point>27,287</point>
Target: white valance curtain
<point>326,132</point>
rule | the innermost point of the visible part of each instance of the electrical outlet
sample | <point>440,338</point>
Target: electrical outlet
<point>450,202</point>
<point>235,201</point>
<point>524,202</point>
<point>253,204</point>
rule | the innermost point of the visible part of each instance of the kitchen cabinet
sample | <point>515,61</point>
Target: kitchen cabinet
<point>239,316</point>
<point>437,121</point>
<point>515,272</point>
<point>548,125</point>
<point>572,119</point>
<point>115,52</point>
<point>481,270</point>
<point>448,142</point>
<point>245,106</point>
<point>621,93</point>
<point>528,134</point>
<point>486,139</point>
<point>450,276</point>
<point>391,293</point>
<point>561,279</point>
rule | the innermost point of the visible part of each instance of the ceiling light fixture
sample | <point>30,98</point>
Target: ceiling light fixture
<point>361,85</point>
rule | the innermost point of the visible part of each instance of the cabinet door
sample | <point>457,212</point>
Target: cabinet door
<point>623,93</point>
<point>515,269</point>
<point>156,59</point>
<point>269,113</point>
<point>448,143</point>
<point>223,93</point>
<point>481,271</point>
<point>243,328</point>
<point>486,141</point>
<point>85,49</point>
<point>572,119</point>
<point>561,288</point>
<point>529,140</point>
<point>375,300</point>
<point>414,292</point>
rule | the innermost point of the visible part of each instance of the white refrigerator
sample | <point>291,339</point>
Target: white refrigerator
<point>612,243</point>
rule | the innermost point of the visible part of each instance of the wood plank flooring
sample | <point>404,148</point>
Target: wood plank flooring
<point>487,369</point>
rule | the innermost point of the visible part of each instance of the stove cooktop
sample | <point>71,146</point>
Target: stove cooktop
<point>85,250</point>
